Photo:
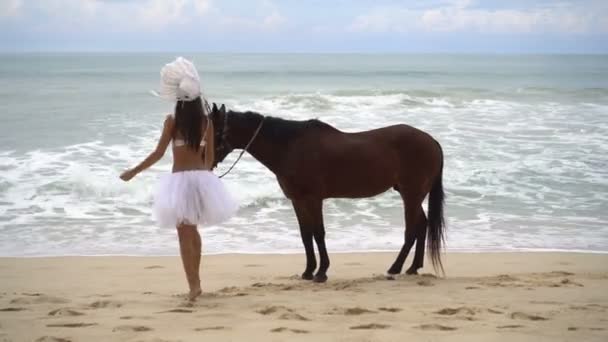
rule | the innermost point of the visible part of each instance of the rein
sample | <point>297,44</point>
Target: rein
<point>255,134</point>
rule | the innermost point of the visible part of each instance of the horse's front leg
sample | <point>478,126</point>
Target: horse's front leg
<point>311,260</point>
<point>319,235</point>
<point>307,240</point>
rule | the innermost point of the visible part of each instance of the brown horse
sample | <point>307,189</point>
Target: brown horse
<point>314,161</point>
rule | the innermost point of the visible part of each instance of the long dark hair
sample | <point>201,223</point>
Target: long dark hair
<point>189,118</point>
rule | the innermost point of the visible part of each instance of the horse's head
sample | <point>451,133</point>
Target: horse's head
<point>223,147</point>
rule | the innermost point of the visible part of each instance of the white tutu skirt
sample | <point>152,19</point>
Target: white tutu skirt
<point>192,197</point>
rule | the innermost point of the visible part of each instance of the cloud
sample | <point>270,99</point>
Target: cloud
<point>265,17</point>
<point>460,16</point>
<point>273,20</point>
<point>159,13</point>
<point>125,15</point>
<point>202,6</point>
<point>144,15</point>
<point>10,8</point>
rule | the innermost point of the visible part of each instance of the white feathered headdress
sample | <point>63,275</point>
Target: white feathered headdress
<point>179,81</point>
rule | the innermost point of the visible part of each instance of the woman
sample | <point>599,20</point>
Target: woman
<point>191,195</point>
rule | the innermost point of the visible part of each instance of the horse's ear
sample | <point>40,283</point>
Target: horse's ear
<point>214,109</point>
<point>223,109</point>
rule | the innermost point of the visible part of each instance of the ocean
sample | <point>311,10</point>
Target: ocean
<point>525,139</point>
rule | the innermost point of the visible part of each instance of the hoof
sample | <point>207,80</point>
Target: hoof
<point>320,278</point>
<point>307,276</point>
<point>393,271</point>
<point>391,276</point>
<point>411,272</point>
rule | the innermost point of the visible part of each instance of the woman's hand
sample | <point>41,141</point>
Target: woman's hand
<point>127,175</point>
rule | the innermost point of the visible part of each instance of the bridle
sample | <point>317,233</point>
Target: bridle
<point>225,145</point>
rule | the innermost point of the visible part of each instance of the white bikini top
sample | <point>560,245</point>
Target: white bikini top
<point>180,142</point>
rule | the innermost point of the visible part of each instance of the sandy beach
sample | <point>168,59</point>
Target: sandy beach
<point>483,297</point>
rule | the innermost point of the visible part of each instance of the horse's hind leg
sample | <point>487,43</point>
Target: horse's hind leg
<point>411,226</point>
<point>405,249</point>
<point>319,235</point>
<point>420,243</point>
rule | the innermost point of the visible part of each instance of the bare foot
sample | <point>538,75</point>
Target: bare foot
<point>194,294</point>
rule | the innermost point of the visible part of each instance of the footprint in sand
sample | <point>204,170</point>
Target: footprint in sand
<point>187,304</point>
<point>370,326</point>
<point>200,305</point>
<point>261,284</point>
<point>357,311</point>
<point>178,311</point>
<point>153,267</point>
<point>131,328</point>
<point>52,339</point>
<point>102,304</point>
<point>136,317</point>
<point>497,312</point>
<point>71,325</point>
<point>389,309</point>
<point>567,281</point>
<point>65,312</point>
<point>297,331</point>
<point>101,295</point>
<point>579,328</point>
<point>510,326</point>
<point>39,299</point>
<point>228,289</point>
<point>293,316</point>
<point>502,280</point>
<point>589,307</point>
<point>506,277</point>
<point>272,309</point>
<point>435,327</point>
<point>425,282</point>
<point>350,285</point>
<point>529,317</point>
<point>287,313</point>
<point>454,311</point>
<point>12,309</point>
<point>428,275</point>
<point>548,302</point>
<point>460,313</point>
<point>219,327</point>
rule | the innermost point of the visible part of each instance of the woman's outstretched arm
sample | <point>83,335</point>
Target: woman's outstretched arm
<point>156,155</point>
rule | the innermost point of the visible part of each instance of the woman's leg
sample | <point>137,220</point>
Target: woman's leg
<point>187,245</point>
<point>197,252</point>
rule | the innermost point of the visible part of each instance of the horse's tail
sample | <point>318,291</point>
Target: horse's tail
<point>436,223</point>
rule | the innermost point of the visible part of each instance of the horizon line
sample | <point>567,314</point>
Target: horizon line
<point>141,52</point>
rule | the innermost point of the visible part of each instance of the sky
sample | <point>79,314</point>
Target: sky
<point>379,26</point>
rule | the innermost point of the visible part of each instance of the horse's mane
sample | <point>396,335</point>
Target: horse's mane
<point>278,129</point>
